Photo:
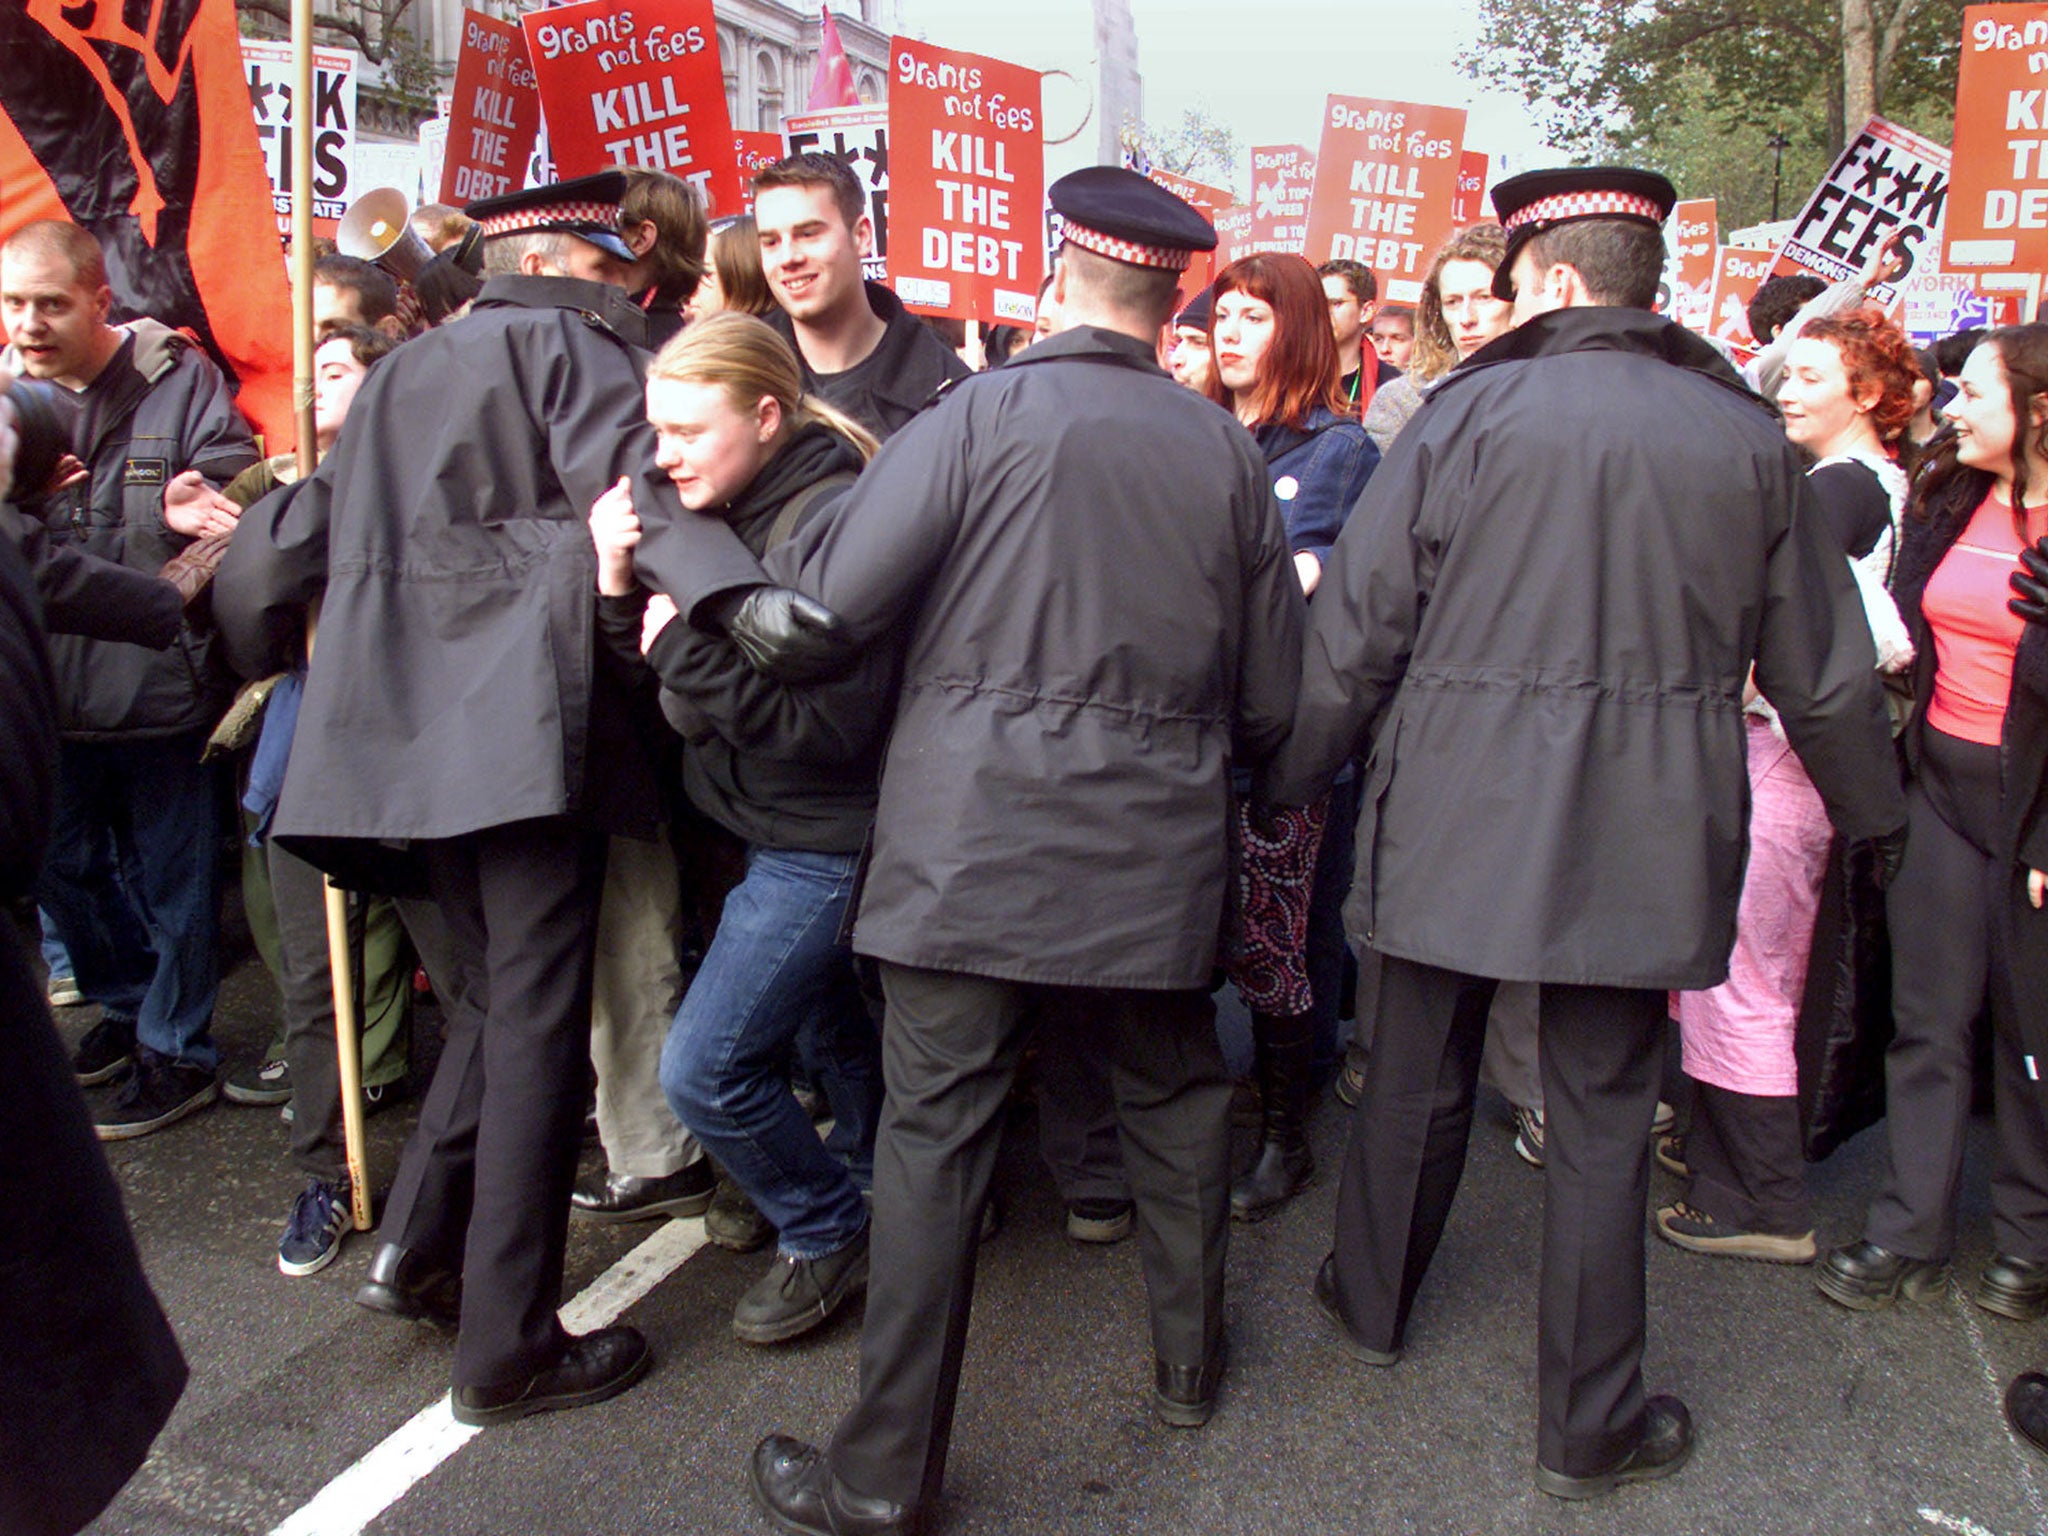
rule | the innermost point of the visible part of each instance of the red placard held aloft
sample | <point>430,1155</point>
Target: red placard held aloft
<point>754,152</point>
<point>1469,207</point>
<point>640,86</point>
<point>1386,177</point>
<point>966,206</point>
<point>496,114</point>
<point>1998,203</point>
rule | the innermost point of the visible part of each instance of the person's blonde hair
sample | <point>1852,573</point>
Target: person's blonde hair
<point>745,357</point>
<point>1436,353</point>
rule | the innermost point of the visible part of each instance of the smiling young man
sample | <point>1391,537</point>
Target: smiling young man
<point>861,349</point>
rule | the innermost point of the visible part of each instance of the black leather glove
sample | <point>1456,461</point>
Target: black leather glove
<point>1887,853</point>
<point>789,637</point>
<point>2030,583</point>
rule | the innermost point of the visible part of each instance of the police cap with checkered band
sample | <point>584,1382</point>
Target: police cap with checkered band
<point>1535,201</point>
<point>587,207</point>
<point>1120,214</point>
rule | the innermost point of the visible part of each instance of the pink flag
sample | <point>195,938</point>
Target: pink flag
<point>832,85</point>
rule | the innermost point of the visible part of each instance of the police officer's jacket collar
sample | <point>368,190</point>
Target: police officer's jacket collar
<point>610,306</point>
<point>1091,341</point>
<point>1603,328</point>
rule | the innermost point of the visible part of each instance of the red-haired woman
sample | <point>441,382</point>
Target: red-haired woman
<point>1276,367</point>
<point>1846,392</point>
<point>1966,911</point>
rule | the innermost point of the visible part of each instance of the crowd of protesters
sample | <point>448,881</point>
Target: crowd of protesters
<point>738,714</point>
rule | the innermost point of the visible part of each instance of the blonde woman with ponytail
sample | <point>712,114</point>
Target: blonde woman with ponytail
<point>791,772</point>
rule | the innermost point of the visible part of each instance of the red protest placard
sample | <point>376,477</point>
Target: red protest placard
<point>1998,201</point>
<point>1208,202</point>
<point>965,130</point>
<point>1282,177</point>
<point>640,87</point>
<point>1738,273</point>
<point>1696,240</point>
<point>1469,206</point>
<point>1386,175</point>
<point>1233,233</point>
<point>753,152</point>
<point>1879,212</point>
<point>496,114</point>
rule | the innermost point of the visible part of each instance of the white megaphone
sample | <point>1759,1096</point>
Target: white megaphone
<point>378,227</point>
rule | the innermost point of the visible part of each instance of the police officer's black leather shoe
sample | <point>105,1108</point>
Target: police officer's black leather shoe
<point>2014,1288</point>
<point>1666,1442</point>
<point>595,1366</point>
<point>613,1197</point>
<point>1185,1395</point>
<point>794,1485</point>
<point>1864,1277</point>
<point>2026,1408</point>
<point>401,1283</point>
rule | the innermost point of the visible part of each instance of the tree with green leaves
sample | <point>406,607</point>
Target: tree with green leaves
<point>1710,81</point>
<point>1199,148</point>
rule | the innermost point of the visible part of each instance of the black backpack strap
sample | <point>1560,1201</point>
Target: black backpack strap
<point>791,517</point>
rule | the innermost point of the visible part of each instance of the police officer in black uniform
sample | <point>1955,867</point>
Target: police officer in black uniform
<point>1094,635</point>
<point>458,738</point>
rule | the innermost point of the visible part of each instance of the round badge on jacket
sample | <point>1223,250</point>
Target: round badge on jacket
<point>1286,487</point>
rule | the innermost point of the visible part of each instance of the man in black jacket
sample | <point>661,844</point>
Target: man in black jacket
<point>1051,829</point>
<point>861,349</point>
<point>1541,616</point>
<point>456,734</point>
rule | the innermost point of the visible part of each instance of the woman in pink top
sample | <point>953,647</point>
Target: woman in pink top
<point>1965,913</point>
<point>1847,391</point>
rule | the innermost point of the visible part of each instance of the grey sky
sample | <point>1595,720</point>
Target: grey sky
<point>1263,68</point>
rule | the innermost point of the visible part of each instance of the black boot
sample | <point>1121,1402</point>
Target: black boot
<point>1283,1045</point>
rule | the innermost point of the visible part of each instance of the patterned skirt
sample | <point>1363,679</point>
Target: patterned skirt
<point>1275,874</point>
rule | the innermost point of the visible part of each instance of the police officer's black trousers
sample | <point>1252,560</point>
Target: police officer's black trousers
<point>949,1054</point>
<point>1601,1051</point>
<point>485,1180</point>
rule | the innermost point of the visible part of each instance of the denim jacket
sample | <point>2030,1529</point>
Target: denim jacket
<point>1319,471</point>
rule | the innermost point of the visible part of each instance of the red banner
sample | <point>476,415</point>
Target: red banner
<point>640,87</point>
<point>496,114</point>
<point>1208,201</point>
<point>1696,240</point>
<point>1386,175</point>
<point>1998,201</point>
<point>964,236</point>
<point>754,152</point>
<point>131,133</point>
<point>1283,175</point>
<point>1233,233</point>
<point>1469,205</point>
<point>1738,273</point>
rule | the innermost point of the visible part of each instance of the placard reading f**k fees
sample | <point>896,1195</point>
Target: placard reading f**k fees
<point>965,238</point>
<point>637,85</point>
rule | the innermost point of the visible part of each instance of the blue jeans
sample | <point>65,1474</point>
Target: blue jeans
<point>775,962</point>
<point>149,954</point>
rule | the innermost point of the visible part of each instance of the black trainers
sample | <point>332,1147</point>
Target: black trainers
<point>797,1295</point>
<point>314,1233</point>
<point>162,1091</point>
<point>107,1051</point>
<point>265,1082</point>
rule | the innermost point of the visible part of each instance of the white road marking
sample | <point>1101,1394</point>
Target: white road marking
<point>391,1469</point>
<point>2022,1461</point>
<point>1960,1524</point>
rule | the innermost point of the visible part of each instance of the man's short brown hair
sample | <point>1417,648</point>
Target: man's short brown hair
<point>60,237</point>
<point>812,169</point>
<point>1358,277</point>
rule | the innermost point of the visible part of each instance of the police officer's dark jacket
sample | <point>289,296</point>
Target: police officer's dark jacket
<point>1102,615</point>
<point>777,766</point>
<point>1541,614</point>
<point>892,383</point>
<point>454,684</point>
<point>158,408</point>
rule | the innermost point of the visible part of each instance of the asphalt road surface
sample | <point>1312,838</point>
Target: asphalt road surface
<point>309,1414</point>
